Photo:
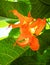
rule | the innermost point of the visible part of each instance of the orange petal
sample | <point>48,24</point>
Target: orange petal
<point>40,27</point>
<point>20,16</point>
<point>16,13</point>
<point>23,43</point>
<point>21,37</point>
<point>25,30</point>
<point>30,18</point>
<point>29,14</point>
<point>35,23</point>
<point>15,25</point>
<point>34,43</point>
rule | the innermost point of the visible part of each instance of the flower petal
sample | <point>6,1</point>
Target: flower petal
<point>35,23</point>
<point>29,14</point>
<point>25,31</point>
<point>14,25</point>
<point>34,43</point>
<point>23,43</point>
<point>40,27</point>
<point>20,16</point>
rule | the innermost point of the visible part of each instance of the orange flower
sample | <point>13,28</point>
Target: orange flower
<point>38,25</point>
<point>28,27</point>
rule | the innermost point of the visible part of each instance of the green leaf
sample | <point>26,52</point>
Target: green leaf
<point>14,33</point>
<point>8,20</point>
<point>40,9</point>
<point>3,23</point>
<point>6,6</point>
<point>8,52</point>
<point>46,56</point>
<point>44,40</point>
<point>33,58</point>
<point>29,59</point>
<point>26,59</point>
<point>26,1</point>
<point>46,2</point>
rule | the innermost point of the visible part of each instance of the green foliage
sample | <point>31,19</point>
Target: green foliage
<point>44,40</point>
<point>14,33</point>
<point>10,55</point>
<point>46,1</point>
<point>8,52</point>
<point>40,9</point>
<point>22,7</point>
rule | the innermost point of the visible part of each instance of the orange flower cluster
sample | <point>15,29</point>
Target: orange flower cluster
<point>29,28</point>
